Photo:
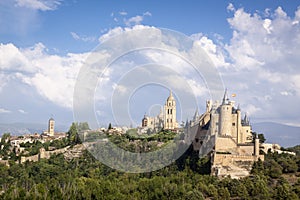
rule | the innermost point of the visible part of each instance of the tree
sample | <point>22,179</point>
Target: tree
<point>289,165</point>
<point>73,134</point>
<point>274,169</point>
<point>83,126</point>
<point>261,138</point>
<point>4,137</point>
<point>109,126</point>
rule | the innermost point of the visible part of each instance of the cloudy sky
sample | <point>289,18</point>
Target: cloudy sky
<point>44,43</point>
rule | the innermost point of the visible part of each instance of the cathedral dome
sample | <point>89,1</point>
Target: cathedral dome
<point>170,98</point>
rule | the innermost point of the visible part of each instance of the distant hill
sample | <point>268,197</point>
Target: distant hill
<point>26,128</point>
<point>284,135</point>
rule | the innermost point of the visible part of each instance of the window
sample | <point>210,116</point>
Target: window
<point>170,104</point>
<point>171,120</point>
<point>167,120</point>
<point>170,111</point>
<point>233,124</point>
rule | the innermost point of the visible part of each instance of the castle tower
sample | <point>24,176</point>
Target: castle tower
<point>51,126</point>
<point>238,125</point>
<point>225,118</point>
<point>170,122</point>
<point>256,146</point>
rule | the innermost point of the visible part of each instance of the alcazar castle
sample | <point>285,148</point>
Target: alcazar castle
<point>220,132</point>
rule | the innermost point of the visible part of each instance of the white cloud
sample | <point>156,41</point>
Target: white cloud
<point>22,111</point>
<point>251,110</point>
<point>12,59</point>
<point>123,13</point>
<point>136,20</point>
<point>2,110</point>
<point>267,25</point>
<point>230,7</point>
<point>119,30</point>
<point>264,58</point>
<point>42,5</point>
<point>83,38</point>
<point>52,76</point>
<point>111,33</point>
<point>147,13</point>
<point>214,51</point>
<point>75,35</point>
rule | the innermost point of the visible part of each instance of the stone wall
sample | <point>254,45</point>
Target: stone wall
<point>225,144</point>
<point>235,166</point>
<point>68,152</point>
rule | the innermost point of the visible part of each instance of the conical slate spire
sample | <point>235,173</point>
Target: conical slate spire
<point>225,98</point>
<point>196,114</point>
<point>246,119</point>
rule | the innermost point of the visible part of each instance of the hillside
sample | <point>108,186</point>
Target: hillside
<point>26,128</point>
<point>284,135</point>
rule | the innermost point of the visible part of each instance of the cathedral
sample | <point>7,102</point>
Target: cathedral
<point>165,120</point>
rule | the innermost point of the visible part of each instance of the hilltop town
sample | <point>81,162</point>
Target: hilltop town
<point>220,133</point>
<point>224,159</point>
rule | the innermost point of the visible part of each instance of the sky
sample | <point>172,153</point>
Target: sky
<point>254,46</point>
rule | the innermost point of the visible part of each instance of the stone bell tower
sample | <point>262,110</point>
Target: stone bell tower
<point>51,127</point>
<point>170,122</point>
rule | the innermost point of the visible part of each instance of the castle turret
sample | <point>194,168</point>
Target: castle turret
<point>238,124</point>
<point>225,119</point>
<point>208,105</point>
<point>256,146</point>
<point>246,121</point>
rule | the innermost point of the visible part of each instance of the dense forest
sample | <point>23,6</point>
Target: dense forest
<point>187,178</point>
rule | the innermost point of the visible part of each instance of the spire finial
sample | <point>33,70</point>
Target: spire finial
<point>225,98</point>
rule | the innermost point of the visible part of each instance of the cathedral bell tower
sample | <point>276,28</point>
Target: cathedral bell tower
<point>170,122</point>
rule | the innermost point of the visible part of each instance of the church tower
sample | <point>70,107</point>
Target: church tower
<point>51,126</point>
<point>170,122</point>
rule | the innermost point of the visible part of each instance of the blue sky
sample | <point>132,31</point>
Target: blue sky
<point>91,19</point>
<point>39,37</point>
